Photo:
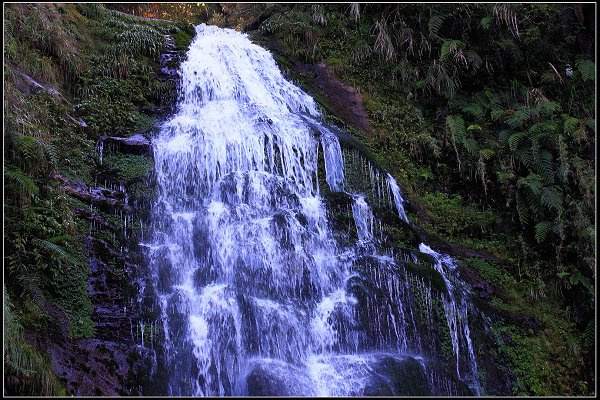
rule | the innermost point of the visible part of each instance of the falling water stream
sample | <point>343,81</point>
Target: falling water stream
<point>255,294</point>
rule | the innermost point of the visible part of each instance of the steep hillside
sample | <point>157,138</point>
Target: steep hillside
<point>82,89</point>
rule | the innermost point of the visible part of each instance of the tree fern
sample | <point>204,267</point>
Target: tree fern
<point>541,230</point>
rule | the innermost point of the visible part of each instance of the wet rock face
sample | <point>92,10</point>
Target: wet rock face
<point>99,196</point>
<point>169,59</point>
<point>94,367</point>
<point>384,375</point>
<point>346,101</point>
<point>136,144</point>
<point>278,379</point>
<point>397,377</point>
<point>115,312</point>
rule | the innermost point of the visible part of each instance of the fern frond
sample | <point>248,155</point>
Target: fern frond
<point>54,248</point>
<point>541,230</point>
<point>485,23</point>
<point>471,146</point>
<point>435,23</point>
<point>503,136</point>
<point>587,69</point>
<point>563,174</point>
<point>61,238</point>
<point>531,182</point>
<point>497,113</point>
<point>475,61</point>
<point>34,372</point>
<point>486,154</point>
<point>475,110</point>
<point>450,46</point>
<point>547,107</point>
<point>25,183</point>
<point>543,163</point>
<point>588,335</point>
<point>544,128</point>
<point>522,209</point>
<point>518,118</point>
<point>515,139</point>
<point>551,198</point>
<point>525,155</point>
<point>591,123</point>
<point>456,125</point>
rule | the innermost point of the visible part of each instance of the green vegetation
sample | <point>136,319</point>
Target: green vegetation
<point>26,371</point>
<point>130,167</point>
<point>72,73</point>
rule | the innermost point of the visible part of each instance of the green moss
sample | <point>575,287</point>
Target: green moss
<point>31,315</point>
<point>429,273</point>
<point>130,167</point>
<point>488,271</point>
<point>183,36</point>
<point>455,221</point>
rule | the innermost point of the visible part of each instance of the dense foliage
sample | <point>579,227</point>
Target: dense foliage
<point>72,73</point>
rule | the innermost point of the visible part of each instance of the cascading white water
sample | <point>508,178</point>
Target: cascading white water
<point>255,294</point>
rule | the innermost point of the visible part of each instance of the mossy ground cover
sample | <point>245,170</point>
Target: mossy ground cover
<point>73,73</point>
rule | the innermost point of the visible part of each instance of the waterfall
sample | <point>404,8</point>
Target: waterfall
<point>254,293</point>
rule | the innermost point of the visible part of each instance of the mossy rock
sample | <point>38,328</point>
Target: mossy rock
<point>429,273</point>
